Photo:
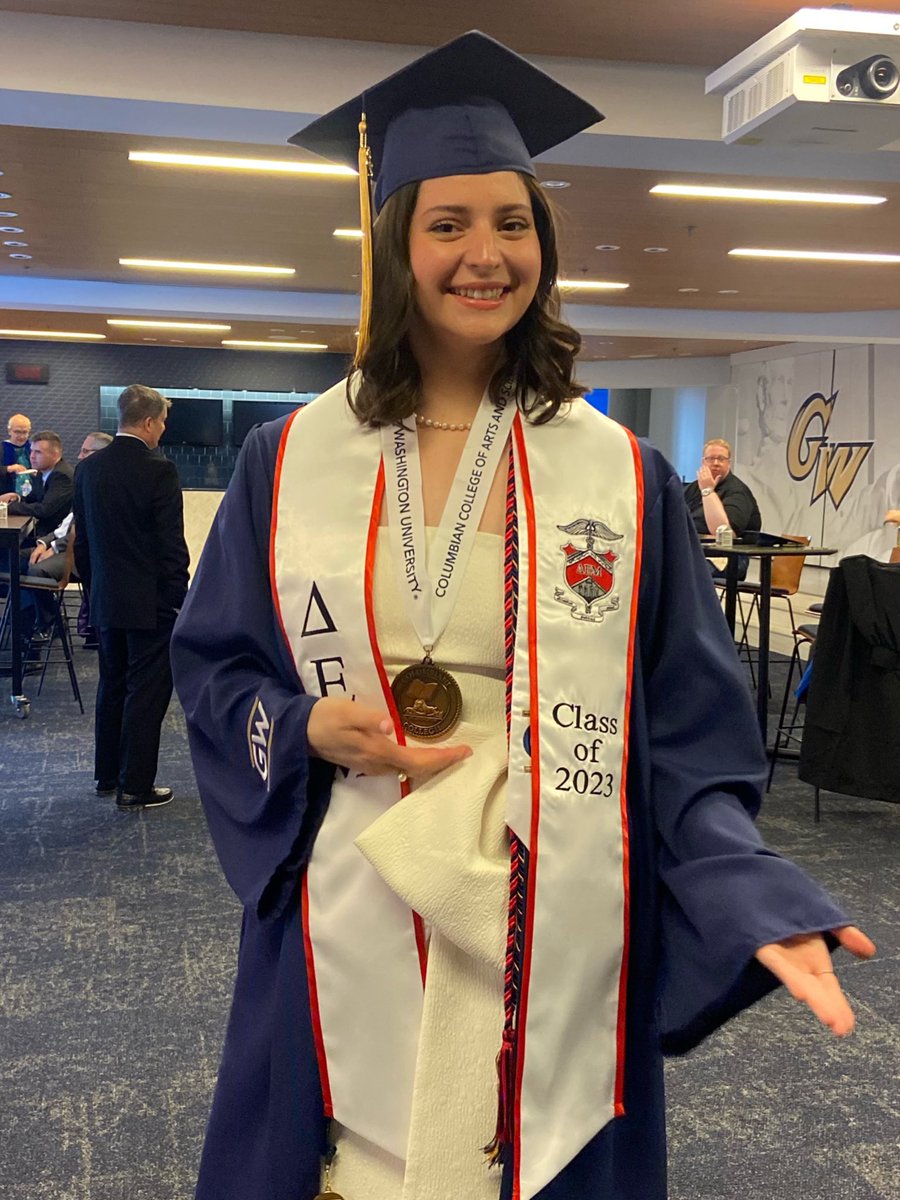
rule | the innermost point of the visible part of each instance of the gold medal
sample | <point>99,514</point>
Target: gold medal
<point>428,700</point>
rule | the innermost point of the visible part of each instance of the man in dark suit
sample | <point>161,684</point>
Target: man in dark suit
<point>50,498</point>
<point>131,555</point>
<point>48,559</point>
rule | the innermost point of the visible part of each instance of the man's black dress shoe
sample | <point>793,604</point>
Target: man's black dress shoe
<point>155,798</point>
<point>106,788</point>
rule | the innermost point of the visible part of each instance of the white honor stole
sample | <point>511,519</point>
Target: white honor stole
<point>579,500</point>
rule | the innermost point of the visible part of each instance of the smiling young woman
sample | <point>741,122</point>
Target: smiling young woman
<point>473,924</point>
<point>529,344</point>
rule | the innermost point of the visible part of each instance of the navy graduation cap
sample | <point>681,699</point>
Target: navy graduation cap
<point>470,107</point>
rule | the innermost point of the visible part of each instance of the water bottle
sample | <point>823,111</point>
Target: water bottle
<point>24,486</point>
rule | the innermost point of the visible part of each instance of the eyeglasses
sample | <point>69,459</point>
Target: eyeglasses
<point>714,458</point>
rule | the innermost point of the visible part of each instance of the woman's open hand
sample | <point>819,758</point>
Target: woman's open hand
<point>803,964</point>
<point>353,735</point>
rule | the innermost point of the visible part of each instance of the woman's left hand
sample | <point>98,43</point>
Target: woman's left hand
<point>803,964</point>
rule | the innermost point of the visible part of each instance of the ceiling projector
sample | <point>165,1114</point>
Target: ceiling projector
<point>824,77</point>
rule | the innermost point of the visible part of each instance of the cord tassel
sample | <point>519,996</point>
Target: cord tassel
<point>506,1086</point>
<point>365,217</point>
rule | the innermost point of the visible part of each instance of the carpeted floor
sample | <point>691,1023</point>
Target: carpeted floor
<point>117,945</point>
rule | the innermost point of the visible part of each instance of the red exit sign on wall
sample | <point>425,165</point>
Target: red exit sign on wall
<point>27,373</point>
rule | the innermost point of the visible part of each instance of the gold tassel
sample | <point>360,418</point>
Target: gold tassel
<point>365,216</point>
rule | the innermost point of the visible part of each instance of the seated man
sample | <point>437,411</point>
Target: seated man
<point>51,496</point>
<point>48,559</point>
<point>719,498</point>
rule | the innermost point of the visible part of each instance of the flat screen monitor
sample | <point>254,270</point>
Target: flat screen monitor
<point>194,421</point>
<point>247,413</point>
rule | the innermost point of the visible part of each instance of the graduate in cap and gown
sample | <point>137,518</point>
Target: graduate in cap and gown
<point>475,748</point>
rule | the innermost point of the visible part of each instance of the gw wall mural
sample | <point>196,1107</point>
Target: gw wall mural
<point>818,441</point>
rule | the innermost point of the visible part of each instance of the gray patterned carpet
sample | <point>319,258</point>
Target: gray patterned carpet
<point>117,944</point>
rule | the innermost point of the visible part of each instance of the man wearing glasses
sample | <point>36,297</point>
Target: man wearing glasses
<point>720,498</point>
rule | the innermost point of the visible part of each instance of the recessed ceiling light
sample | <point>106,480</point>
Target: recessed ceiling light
<point>642,356</point>
<point>728,291</point>
<point>243,344</point>
<point>11,229</point>
<point>17,255</point>
<point>555,183</point>
<point>656,249</point>
<point>347,233</point>
<point>689,289</point>
<point>53,333</point>
<point>590,285</point>
<point>176,341</point>
<point>607,247</point>
<point>815,255</point>
<point>8,214</point>
<point>776,194</point>
<point>148,339</point>
<point>5,195</point>
<point>165,264</point>
<point>15,243</point>
<point>274,330</point>
<point>194,325</point>
<point>221,162</point>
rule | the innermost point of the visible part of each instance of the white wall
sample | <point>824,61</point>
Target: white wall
<point>677,426</point>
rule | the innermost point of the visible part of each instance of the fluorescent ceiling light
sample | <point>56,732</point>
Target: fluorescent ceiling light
<point>348,233</point>
<point>815,255</point>
<point>590,285</point>
<point>204,328</point>
<point>245,345</point>
<point>53,333</point>
<point>750,193</point>
<point>223,163</point>
<point>165,264</point>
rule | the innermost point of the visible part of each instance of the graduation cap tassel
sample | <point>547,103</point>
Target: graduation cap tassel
<point>365,216</point>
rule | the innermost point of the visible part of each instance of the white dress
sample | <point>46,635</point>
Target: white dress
<point>444,849</point>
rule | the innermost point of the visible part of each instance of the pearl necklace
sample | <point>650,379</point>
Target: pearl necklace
<point>420,420</point>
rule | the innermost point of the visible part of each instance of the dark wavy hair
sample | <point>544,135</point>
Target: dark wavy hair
<point>540,348</point>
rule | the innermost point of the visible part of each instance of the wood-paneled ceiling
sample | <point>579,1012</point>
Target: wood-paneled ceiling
<point>81,205</point>
<point>339,339</point>
<point>696,32</point>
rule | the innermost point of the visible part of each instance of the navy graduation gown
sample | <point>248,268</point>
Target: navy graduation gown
<point>705,892</point>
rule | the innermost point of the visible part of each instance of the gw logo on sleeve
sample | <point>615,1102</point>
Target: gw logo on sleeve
<point>259,738</point>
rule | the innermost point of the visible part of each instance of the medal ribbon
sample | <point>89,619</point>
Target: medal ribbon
<point>430,581</point>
